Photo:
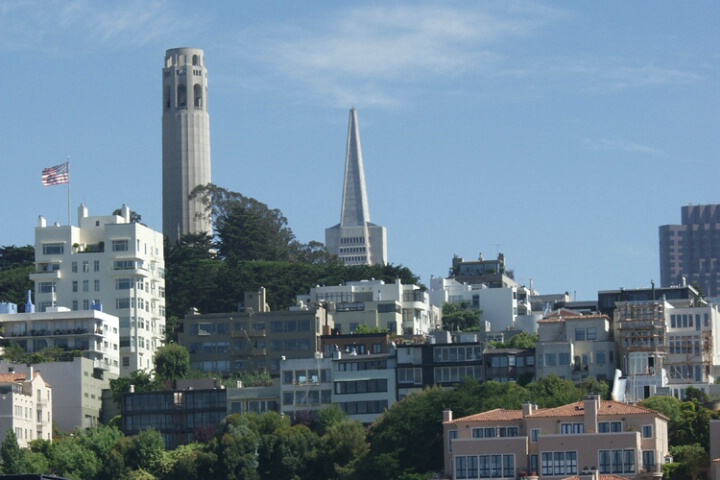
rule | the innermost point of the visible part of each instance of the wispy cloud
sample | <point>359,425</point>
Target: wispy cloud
<point>84,25</point>
<point>366,52</point>
<point>621,146</point>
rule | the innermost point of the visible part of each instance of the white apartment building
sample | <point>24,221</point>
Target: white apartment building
<point>574,346</point>
<point>95,334</point>
<point>504,307</point>
<point>106,261</point>
<point>305,385</point>
<point>401,309</point>
<point>25,407</point>
<point>668,345</point>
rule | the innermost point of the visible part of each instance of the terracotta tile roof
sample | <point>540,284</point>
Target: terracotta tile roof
<point>497,415</point>
<point>607,407</point>
<point>577,409</point>
<point>12,377</point>
<point>604,476</point>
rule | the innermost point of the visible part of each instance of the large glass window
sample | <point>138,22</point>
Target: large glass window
<point>120,245</point>
<point>53,248</point>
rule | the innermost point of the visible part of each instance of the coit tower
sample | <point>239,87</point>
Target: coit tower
<point>185,141</point>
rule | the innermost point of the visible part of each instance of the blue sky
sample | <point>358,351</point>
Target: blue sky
<point>559,133</point>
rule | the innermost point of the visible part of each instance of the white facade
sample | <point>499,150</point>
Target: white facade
<point>106,261</point>
<point>401,309</point>
<point>500,306</point>
<point>94,333</point>
<point>77,390</point>
<point>364,386</point>
<point>305,385</point>
<point>185,141</point>
<point>25,407</point>
<point>693,349</point>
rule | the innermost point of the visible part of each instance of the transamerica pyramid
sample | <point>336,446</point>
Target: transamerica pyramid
<point>355,240</point>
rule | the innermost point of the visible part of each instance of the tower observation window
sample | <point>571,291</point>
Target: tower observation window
<point>181,96</point>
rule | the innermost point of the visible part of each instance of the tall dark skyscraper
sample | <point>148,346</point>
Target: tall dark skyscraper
<point>185,141</point>
<point>690,252</point>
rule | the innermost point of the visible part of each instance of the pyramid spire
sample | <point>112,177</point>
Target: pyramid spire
<point>355,240</point>
<point>355,211</point>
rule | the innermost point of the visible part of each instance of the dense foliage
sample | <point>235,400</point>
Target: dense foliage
<point>16,265</point>
<point>253,247</point>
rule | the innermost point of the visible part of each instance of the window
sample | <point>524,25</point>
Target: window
<point>53,248</point>
<point>74,286</point>
<point>452,435</point>
<point>86,266</point>
<point>126,361</point>
<point>97,285</point>
<point>534,434</point>
<point>579,334</point>
<point>564,358</point>
<point>648,460</point>
<point>123,283</point>
<point>73,267</point>
<point>616,427</point>
<point>647,431</point>
<point>86,285</point>
<point>592,333</point>
<point>460,467</point>
<point>550,359</point>
<point>120,245</point>
<point>96,266</point>
<point>600,358</point>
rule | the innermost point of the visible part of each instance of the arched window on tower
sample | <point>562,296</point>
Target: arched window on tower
<point>195,60</point>
<point>197,95</point>
<point>168,98</point>
<point>181,96</point>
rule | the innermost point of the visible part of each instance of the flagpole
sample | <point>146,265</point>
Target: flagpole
<point>68,184</point>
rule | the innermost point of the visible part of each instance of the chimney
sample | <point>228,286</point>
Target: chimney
<point>447,415</point>
<point>528,409</point>
<point>591,405</point>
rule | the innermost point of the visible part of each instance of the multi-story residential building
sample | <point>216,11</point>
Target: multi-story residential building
<point>443,361</point>
<point>93,333</point>
<point>190,412</point>
<point>305,385</point>
<point>491,273</point>
<point>106,261</point>
<point>690,252</point>
<point>364,385</point>
<point>693,349</point>
<point>355,239</point>
<point>25,407</point>
<point>574,346</point>
<point>401,309</point>
<point>259,399</point>
<point>669,346</point>
<point>253,338</point>
<point>611,437</point>
<point>77,390</point>
<point>357,344</point>
<point>501,306</point>
<point>508,364</point>
<point>607,299</point>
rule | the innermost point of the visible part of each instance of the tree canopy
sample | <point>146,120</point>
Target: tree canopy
<point>459,316</point>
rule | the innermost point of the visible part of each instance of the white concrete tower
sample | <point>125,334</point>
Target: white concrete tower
<point>186,141</point>
<point>355,240</point>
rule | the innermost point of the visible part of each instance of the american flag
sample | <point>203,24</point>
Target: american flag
<point>56,175</point>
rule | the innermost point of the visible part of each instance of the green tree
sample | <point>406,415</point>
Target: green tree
<point>16,257</point>
<point>290,452</point>
<point>11,455</point>
<point>342,448</point>
<point>552,391</point>
<point>68,458</point>
<point>459,316</point>
<point>690,462</point>
<point>172,362</point>
<point>521,340</point>
<point>362,328</point>
<point>141,381</point>
<point>146,450</point>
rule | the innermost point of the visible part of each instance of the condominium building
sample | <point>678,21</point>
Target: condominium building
<point>77,390</point>
<point>574,346</point>
<point>253,338</point>
<point>690,252</point>
<point>444,361</point>
<point>669,346</point>
<point>91,333</point>
<point>305,386</point>
<point>399,308</point>
<point>607,436</point>
<point>111,264</point>
<point>25,407</point>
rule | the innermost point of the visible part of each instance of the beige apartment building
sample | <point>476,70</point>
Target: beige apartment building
<point>591,435</point>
